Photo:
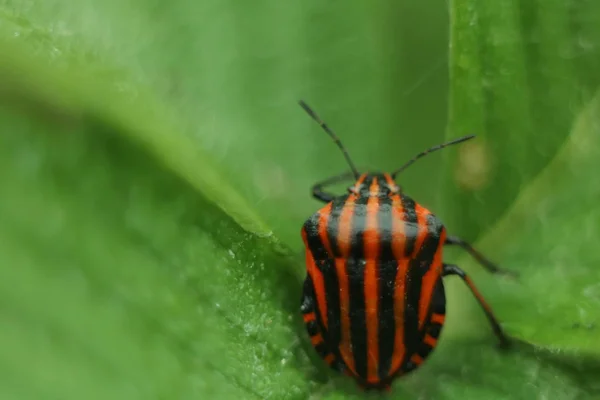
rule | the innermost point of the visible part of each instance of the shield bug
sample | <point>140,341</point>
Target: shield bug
<point>373,300</point>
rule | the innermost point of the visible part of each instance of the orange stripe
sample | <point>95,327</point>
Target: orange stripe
<point>343,242</point>
<point>422,228</point>
<point>329,358</point>
<point>371,243</point>
<point>398,245</point>
<point>361,179</point>
<point>317,279</point>
<point>390,181</point>
<point>417,359</point>
<point>311,267</point>
<point>309,317</point>
<point>422,234</point>
<point>319,286</point>
<point>430,279</point>
<point>315,340</point>
<point>438,319</point>
<point>345,226</point>
<point>430,340</point>
<point>323,220</point>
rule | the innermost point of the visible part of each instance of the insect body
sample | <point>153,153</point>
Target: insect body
<point>373,300</point>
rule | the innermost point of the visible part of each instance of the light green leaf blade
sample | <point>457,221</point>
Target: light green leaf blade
<point>549,236</point>
<point>520,74</point>
<point>117,276</point>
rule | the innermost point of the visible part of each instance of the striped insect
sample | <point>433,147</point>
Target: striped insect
<point>373,300</point>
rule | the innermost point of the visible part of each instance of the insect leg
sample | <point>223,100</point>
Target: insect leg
<point>450,269</point>
<point>317,340</point>
<point>318,191</point>
<point>487,264</point>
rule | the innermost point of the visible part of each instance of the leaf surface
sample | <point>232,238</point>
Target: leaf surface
<point>155,172</point>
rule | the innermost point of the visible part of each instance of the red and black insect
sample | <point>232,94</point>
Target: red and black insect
<point>373,300</point>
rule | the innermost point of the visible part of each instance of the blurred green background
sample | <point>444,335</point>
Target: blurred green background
<point>155,171</point>
<point>232,73</point>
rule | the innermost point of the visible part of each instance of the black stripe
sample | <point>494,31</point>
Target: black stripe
<point>434,330</point>
<point>312,328</point>
<point>332,296</point>
<point>355,268</point>
<point>438,300</point>
<point>322,349</point>
<point>309,303</point>
<point>410,228</point>
<point>311,227</point>
<point>413,280</point>
<point>417,269</point>
<point>388,268</point>
<point>333,223</point>
<point>332,288</point>
<point>326,266</point>
<point>438,306</point>
<point>365,186</point>
<point>355,272</point>
<point>359,223</point>
<point>306,303</point>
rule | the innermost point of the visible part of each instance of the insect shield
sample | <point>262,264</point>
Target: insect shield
<point>373,299</point>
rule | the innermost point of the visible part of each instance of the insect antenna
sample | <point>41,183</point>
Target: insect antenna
<point>337,141</point>
<point>431,150</point>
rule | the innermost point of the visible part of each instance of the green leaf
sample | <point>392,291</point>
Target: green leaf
<point>155,172</point>
<point>556,217</point>
<point>520,74</point>
<point>117,276</point>
<point>230,75</point>
<point>548,236</point>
